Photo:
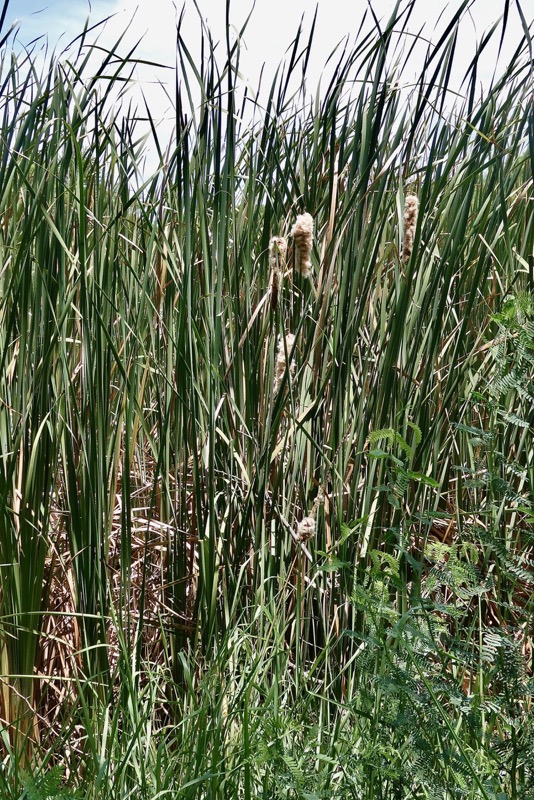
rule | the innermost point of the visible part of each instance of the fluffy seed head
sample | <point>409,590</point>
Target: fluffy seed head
<point>305,529</point>
<point>280,360</point>
<point>277,251</point>
<point>411,207</point>
<point>277,264</point>
<point>302,234</point>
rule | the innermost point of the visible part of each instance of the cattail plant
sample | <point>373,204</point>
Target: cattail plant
<point>302,233</point>
<point>307,526</point>
<point>172,598</point>
<point>277,265</point>
<point>411,207</point>
<point>305,529</point>
<point>285,344</point>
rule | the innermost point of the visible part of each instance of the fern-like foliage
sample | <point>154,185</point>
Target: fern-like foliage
<point>48,785</point>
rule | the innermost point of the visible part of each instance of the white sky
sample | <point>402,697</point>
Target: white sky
<point>271,27</point>
<point>270,31</point>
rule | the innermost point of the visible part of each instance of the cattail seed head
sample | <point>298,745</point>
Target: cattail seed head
<point>302,234</point>
<point>277,265</point>
<point>280,360</point>
<point>411,207</point>
<point>305,529</point>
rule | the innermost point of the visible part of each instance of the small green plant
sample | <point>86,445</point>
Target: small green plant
<point>48,785</point>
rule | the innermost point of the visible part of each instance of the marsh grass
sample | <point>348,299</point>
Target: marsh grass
<point>171,621</point>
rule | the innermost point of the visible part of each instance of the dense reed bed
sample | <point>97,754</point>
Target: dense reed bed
<point>266,458</point>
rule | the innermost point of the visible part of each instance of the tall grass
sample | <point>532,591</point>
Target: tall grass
<point>169,626</point>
